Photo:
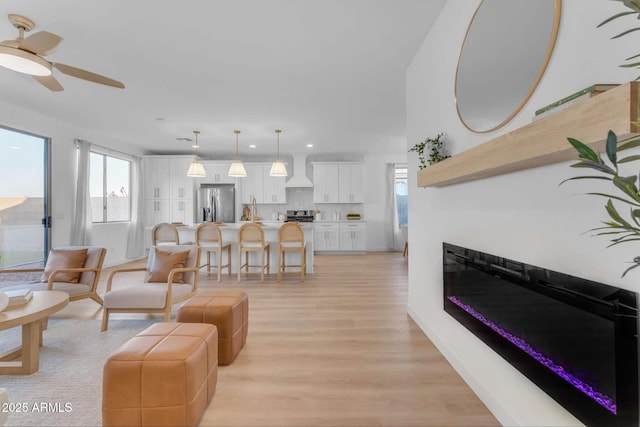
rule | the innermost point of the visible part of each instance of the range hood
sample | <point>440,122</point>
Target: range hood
<point>299,178</point>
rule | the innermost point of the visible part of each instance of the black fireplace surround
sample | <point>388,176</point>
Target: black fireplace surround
<point>574,338</point>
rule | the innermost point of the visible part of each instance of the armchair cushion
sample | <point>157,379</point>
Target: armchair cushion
<point>147,296</point>
<point>62,259</point>
<point>161,262</point>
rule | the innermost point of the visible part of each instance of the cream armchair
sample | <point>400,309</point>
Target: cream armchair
<point>170,277</point>
<point>71,269</point>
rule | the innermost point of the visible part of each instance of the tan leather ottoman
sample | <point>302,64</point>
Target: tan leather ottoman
<point>164,376</point>
<point>228,310</point>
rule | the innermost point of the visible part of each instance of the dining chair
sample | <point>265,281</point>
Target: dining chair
<point>209,239</point>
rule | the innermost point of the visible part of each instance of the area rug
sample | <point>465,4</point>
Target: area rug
<point>67,389</point>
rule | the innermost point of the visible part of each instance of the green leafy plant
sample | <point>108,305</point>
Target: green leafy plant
<point>435,151</point>
<point>634,5</point>
<point>621,228</point>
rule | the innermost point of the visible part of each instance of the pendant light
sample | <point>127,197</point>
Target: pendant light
<point>196,169</point>
<point>278,168</point>
<point>237,170</point>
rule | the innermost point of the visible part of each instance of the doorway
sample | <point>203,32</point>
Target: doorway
<point>25,220</point>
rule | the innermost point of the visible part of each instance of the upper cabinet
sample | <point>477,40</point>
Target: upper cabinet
<point>156,178</point>
<point>351,188</point>
<point>181,184</point>
<point>169,192</point>
<point>260,185</point>
<point>326,185</point>
<point>217,173</point>
<point>338,182</point>
<point>252,184</point>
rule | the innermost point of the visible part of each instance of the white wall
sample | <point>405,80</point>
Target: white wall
<point>63,167</point>
<point>523,216</point>
<point>377,213</point>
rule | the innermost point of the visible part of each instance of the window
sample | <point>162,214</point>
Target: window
<point>402,194</point>
<point>109,188</point>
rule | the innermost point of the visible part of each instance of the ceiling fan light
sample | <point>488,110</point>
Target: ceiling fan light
<point>278,169</point>
<point>196,169</point>
<point>23,62</point>
<point>237,170</point>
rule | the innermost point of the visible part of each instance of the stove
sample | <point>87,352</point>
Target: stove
<point>299,216</point>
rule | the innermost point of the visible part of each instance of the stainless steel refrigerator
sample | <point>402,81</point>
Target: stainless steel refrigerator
<point>217,202</point>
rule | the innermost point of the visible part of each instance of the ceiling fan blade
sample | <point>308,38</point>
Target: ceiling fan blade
<point>41,43</point>
<point>49,82</point>
<point>11,43</point>
<point>87,75</point>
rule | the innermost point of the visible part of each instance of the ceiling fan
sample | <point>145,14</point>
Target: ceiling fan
<point>25,55</point>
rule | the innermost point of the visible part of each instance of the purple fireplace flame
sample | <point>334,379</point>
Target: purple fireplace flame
<point>602,399</point>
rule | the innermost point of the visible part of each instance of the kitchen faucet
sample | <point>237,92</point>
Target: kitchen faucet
<point>254,209</point>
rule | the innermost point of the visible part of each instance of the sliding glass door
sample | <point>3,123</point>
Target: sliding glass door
<point>24,199</point>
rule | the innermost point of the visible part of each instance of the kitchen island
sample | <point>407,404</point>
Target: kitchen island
<point>230,235</point>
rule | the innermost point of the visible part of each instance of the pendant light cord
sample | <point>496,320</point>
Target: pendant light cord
<point>237,132</point>
<point>278,145</point>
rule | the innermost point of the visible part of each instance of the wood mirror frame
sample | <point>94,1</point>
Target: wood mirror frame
<point>502,59</point>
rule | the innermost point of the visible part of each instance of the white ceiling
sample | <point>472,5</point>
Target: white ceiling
<point>326,72</point>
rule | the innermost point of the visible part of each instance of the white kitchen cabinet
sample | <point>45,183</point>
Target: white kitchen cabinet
<point>351,188</point>
<point>259,184</point>
<point>326,184</point>
<point>252,184</point>
<point>181,185</point>
<point>156,178</point>
<point>169,192</point>
<point>217,173</point>
<point>274,189</point>
<point>353,236</point>
<point>181,211</point>
<point>156,211</point>
<point>326,236</point>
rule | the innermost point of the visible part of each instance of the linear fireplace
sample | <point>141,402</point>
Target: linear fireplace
<point>574,338</point>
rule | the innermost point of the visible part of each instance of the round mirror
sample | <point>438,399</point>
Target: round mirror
<point>503,57</point>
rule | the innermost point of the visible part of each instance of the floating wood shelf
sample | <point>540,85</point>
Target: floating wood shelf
<point>543,141</point>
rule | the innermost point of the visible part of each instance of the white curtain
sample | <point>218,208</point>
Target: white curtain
<point>82,221</point>
<point>135,240</point>
<point>394,235</point>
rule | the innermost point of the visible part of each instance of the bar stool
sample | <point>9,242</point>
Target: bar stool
<point>251,239</point>
<point>209,239</point>
<point>291,239</point>
<point>165,234</point>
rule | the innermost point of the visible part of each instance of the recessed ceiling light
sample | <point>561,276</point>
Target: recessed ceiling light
<point>13,147</point>
<point>309,145</point>
<point>252,146</point>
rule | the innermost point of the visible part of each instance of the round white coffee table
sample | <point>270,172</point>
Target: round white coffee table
<point>31,316</point>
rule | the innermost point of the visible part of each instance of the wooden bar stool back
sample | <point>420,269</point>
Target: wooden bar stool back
<point>251,239</point>
<point>209,239</point>
<point>291,239</point>
<point>165,234</point>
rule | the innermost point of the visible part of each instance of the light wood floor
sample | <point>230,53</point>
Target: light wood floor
<point>336,350</point>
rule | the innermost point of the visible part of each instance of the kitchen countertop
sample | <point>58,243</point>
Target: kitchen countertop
<point>341,220</point>
<point>236,225</point>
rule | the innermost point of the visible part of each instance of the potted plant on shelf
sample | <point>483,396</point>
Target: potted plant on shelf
<point>634,5</point>
<point>623,227</point>
<point>436,151</point>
